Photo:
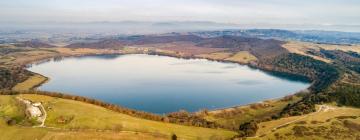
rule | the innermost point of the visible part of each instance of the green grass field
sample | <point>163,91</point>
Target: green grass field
<point>9,107</point>
<point>73,116</point>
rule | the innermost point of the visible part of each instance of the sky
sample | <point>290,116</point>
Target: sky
<point>317,12</point>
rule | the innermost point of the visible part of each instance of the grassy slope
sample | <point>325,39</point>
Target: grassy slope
<point>90,117</point>
<point>30,83</point>
<point>21,133</point>
<point>9,107</point>
<point>242,57</point>
<point>326,124</point>
<point>216,56</point>
<point>88,124</point>
<point>302,48</point>
<point>239,57</point>
<point>249,112</point>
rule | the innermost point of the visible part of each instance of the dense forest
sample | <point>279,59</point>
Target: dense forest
<point>350,60</point>
<point>337,84</point>
<point>9,77</point>
<point>322,74</point>
<point>345,94</point>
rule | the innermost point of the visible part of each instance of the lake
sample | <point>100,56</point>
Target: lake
<point>161,84</point>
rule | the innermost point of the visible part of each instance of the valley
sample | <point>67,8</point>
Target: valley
<point>333,71</point>
<point>179,70</point>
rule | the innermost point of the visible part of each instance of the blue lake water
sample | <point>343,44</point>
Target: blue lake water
<point>162,84</point>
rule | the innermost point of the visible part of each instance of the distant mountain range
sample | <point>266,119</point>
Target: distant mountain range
<point>315,36</point>
<point>68,33</point>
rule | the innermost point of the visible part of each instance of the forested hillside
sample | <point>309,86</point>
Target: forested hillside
<point>9,77</point>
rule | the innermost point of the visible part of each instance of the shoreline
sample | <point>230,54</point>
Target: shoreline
<point>36,85</point>
<point>31,83</point>
<point>275,99</point>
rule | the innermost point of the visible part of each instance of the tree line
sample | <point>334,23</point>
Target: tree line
<point>322,74</point>
<point>10,76</point>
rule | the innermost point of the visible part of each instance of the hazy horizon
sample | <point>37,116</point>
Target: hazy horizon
<point>243,12</point>
<point>148,27</point>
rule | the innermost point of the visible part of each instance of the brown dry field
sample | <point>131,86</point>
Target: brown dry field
<point>242,57</point>
<point>329,119</point>
<point>302,47</point>
<point>216,55</point>
<point>189,49</point>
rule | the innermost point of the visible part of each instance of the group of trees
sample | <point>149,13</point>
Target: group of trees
<point>345,94</point>
<point>247,129</point>
<point>185,118</point>
<point>326,77</point>
<point>329,84</point>
<point>10,76</point>
<point>322,74</point>
<point>350,60</point>
<point>305,106</point>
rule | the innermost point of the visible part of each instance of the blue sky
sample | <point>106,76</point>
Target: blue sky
<point>320,12</point>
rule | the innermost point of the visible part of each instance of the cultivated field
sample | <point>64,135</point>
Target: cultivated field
<point>304,47</point>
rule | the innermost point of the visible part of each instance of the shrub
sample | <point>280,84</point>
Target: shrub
<point>351,125</point>
<point>248,129</point>
<point>173,137</point>
<point>11,122</point>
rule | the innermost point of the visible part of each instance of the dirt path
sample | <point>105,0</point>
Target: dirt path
<point>322,108</point>
<point>42,117</point>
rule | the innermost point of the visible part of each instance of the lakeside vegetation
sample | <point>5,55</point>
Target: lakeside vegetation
<point>10,76</point>
<point>30,83</point>
<point>322,74</point>
<point>334,73</point>
<point>234,117</point>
